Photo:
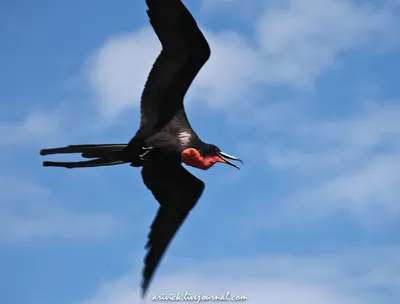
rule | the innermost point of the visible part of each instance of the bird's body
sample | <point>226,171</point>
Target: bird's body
<point>165,138</point>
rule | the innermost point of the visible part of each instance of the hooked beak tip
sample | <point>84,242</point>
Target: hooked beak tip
<point>225,158</point>
<point>230,164</point>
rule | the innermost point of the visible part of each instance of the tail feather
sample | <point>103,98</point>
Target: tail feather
<point>105,155</point>
<point>84,164</point>
<point>81,149</point>
<point>102,151</point>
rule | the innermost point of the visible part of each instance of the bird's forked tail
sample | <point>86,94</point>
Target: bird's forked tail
<point>104,155</point>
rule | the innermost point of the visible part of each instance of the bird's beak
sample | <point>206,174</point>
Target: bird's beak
<point>224,158</point>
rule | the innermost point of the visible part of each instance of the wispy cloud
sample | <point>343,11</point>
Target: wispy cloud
<point>276,279</point>
<point>36,127</point>
<point>295,42</point>
<point>30,211</point>
<point>235,8</point>
<point>304,38</point>
<point>348,164</point>
<point>118,71</point>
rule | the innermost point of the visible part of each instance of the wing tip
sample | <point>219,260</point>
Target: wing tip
<point>144,288</point>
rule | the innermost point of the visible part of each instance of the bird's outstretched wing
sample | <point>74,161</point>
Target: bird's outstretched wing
<point>184,51</point>
<point>177,192</point>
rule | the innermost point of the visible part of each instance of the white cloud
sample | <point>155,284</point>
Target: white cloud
<point>218,3</point>
<point>350,164</point>
<point>58,223</point>
<point>230,73</point>
<point>52,126</point>
<point>370,194</point>
<point>118,71</point>
<point>235,8</point>
<point>295,42</point>
<point>371,126</point>
<point>257,292</point>
<point>374,187</point>
<point>28,211</point>
<point>273,279</point>
<point>36,127</point>
<point>303,38</point>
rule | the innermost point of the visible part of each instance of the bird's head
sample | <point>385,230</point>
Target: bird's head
<point>206,156</point>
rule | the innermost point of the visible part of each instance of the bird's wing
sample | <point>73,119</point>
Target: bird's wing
<point>177,192</point>
<point>184,51</point>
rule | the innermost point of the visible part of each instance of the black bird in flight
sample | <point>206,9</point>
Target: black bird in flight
<point>165,138</point>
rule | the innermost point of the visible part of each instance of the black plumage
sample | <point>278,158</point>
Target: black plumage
<point>165,138</point>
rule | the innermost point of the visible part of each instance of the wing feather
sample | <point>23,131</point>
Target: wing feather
<point>177,192</point>
<point>184,51</point>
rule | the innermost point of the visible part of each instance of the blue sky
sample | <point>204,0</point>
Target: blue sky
<point>304,91</point>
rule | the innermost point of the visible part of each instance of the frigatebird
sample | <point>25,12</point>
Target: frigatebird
<point>165,138</point>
